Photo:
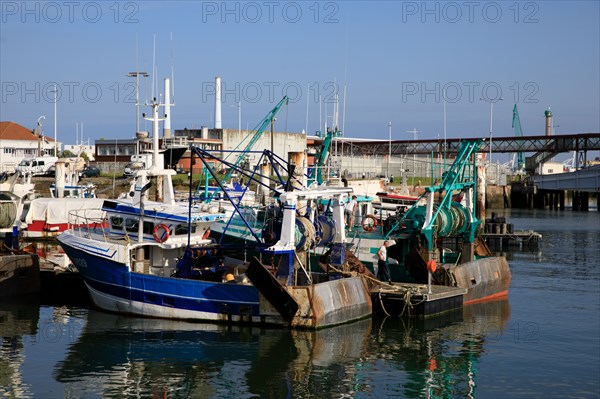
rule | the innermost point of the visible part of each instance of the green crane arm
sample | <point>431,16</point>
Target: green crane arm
<point>261,128</point>
<point>457,178</point>
<point>322,158</point>
<point>255,135</point>
<point>460,176</point>
<point>516,124</point>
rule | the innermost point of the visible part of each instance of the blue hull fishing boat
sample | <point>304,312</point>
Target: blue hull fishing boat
<point>129,261</point>
<point>113,286</point>
<point>155,258</point>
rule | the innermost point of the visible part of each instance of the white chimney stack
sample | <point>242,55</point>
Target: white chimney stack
<point>167,125</point>
<point>218,103</point>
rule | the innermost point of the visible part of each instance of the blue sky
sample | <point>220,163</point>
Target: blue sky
<point>397,59</point>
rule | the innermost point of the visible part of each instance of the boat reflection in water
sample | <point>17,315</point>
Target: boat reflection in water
<point>123,356</point>
<point>438,355</point>
<point>19,318</point>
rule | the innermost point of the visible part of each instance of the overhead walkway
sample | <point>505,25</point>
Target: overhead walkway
<point>584,180</point>
<point>551,144</point>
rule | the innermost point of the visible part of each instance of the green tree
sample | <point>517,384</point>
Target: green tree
<point>67,154</point>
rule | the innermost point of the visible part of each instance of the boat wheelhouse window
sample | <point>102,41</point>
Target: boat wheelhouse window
<point>182,229</point>
<point>116,222</point>
<point>131,225</point>
<point>148,228</point>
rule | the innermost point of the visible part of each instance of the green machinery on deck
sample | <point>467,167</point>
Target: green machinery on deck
<point>453,214</point>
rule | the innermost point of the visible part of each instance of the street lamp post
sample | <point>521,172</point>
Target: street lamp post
<point>389,149</point>
<point>55,142</point>
<point>491,101</point>
<point>39,129</point>
<point>55,91</point>
<point>414,132</point>
<point>491,127</point>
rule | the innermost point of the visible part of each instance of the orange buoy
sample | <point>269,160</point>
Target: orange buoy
<point>369,223</point>
<point>161,233</point>
<point>432,364</point>
<point>431,266</point>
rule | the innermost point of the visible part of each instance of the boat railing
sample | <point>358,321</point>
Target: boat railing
<point>85,221</point>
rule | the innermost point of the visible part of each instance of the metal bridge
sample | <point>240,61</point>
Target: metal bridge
<point>541,147</point>
<point>552,144</point>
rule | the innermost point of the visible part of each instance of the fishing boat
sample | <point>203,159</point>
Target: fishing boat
<point>155,258</point>
<point>303,298</point>
<point>293,293</point>
<point>439,241</point>
<point>130,266</point>
<point>66,175</point>
<point>47,217</point>
<point>16,192</point>
<point>435,237</point>
<point>393,202</point>
<point>440,227</point>
<point>19,270</point>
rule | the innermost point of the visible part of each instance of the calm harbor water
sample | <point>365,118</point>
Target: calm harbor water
<point>543,341</point>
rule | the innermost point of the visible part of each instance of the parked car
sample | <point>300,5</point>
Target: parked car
<point>37,166</point>
<point>133,167</point>
<point>90,171</point>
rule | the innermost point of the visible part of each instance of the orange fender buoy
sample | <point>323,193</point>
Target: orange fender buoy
<point>431,266</point>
